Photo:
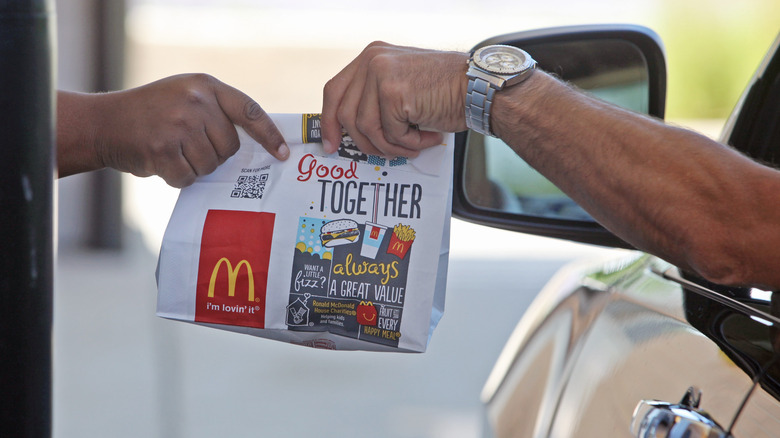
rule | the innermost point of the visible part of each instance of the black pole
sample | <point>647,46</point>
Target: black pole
<point>27,102</point>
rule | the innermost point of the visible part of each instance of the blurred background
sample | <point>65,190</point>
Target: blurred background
<point>121,372</point>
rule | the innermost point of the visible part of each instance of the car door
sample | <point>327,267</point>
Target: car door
<point>663,348</point>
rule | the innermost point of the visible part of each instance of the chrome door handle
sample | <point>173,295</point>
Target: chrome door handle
<point>658,419</point>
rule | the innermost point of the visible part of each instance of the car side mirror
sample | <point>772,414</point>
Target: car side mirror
<point>622,64</point>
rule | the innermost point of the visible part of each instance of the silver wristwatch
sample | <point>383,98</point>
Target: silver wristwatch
<point>492,68</point>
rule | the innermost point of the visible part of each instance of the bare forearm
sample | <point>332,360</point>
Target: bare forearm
<point>76,133</point>
<point>666,190</point>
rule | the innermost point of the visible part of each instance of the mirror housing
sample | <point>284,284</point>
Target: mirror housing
<point>623,64</point>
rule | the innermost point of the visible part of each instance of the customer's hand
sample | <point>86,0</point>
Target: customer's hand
<point>395,101</point>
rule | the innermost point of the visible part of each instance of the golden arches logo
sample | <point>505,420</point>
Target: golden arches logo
<point>232,277</point>
<point>398,246</point>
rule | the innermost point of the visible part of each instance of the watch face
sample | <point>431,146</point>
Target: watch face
<point>501,59</point>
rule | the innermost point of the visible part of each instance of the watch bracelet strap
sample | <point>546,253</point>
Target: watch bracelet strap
<point>479,99</point>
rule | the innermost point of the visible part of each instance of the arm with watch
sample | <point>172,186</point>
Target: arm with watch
<point>666,190</point>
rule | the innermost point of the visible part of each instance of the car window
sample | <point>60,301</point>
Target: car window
<point>756,122</point>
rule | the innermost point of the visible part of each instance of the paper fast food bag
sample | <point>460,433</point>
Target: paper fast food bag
<point>347,251</point>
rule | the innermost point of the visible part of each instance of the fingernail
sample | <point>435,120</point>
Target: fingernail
<point>327,146</point>
<point>283,151</point>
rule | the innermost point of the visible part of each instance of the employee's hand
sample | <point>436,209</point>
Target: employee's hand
<point>395,101</point>
<point>178,128</point>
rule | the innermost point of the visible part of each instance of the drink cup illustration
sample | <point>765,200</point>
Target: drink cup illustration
<point>373,234</point>
<point>401,240</point>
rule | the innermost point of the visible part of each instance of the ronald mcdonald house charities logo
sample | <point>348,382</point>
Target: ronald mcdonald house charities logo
<point>233,269</point>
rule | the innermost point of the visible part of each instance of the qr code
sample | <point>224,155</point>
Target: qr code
<point>250,186</point>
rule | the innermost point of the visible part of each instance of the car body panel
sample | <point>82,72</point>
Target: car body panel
<point>618,337</point>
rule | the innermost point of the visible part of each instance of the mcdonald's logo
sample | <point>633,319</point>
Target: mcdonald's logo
<point>235,251</point>
<point>232,278</point>
<point>398,246</point>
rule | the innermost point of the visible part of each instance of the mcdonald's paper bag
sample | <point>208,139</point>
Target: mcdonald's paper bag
<point>345,251</point>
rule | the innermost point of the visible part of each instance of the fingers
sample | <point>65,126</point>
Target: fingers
<point>376,119</point>
<point>241,110</point>
<point>179,164</point>
<point>394,117</point>
<point>384,114</point>
<point>179,174</point>
<point>204,152</point>
<point>349,107</point>
<point>342,96</point>
<point>375,99</point>
<point>214,139</point>
<point>333,94</point>
<point>169,163</point>
<point>345,105</point>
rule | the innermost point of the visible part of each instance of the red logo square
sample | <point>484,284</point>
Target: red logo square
<point>235,250</point>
